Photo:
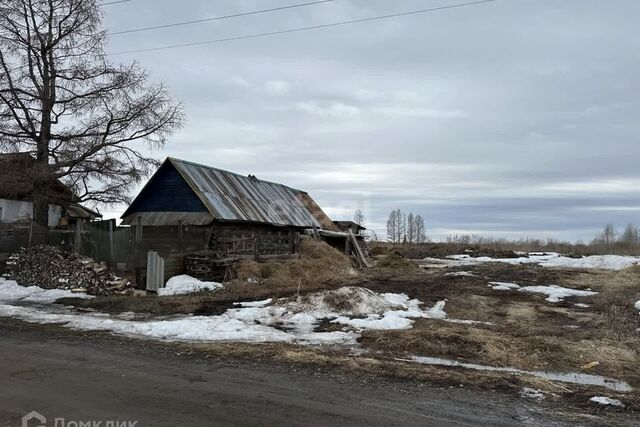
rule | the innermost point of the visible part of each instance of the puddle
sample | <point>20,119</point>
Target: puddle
<point>573,377</point>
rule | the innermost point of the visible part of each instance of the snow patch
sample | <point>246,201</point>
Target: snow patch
<point>572,377</point>
<point>602,400</point>
<point>503,286</point>
<point>637,305</point>
<point>262,303</point>
<point>286,320</point>
<point>545,259</point>
<point>10,291</point>
<point>184,284</point>
<point>556,293</point>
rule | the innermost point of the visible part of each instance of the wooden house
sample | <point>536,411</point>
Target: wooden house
<point>16,187</point>
<point>188,208</point>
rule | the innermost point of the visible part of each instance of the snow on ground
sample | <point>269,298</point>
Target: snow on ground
<point>571,377</point>
<point>602,400</point>
<point>285,320</point>
<point>637,305</point>
<point>182,285</point>
<point>262,303</point>
<point>548,259</point>
<point>556,293</point>
<point>503,286</point>
<point>10,291</point>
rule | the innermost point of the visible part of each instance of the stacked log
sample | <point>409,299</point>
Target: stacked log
<point>50,268</point>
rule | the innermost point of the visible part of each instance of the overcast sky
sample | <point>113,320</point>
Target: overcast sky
<point>517,118</point>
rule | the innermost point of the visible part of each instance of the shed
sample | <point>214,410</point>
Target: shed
<point>187,207</point>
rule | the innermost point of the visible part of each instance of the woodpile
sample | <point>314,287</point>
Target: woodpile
<point>50,268</point>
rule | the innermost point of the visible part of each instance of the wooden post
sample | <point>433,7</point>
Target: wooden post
<point>111,249</point>
<point>180,236</point>
<point>30,232</point>
<point>347,246</point>
<point>138,229</point>
<point>77,237</point>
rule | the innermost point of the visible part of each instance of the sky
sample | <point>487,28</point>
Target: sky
<point>514,118</point>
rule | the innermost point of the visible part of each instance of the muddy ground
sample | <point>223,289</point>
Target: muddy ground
<point>520,330</point>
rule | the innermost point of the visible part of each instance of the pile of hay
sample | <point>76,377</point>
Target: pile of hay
<point>318,263</point>
<point>396,261</point>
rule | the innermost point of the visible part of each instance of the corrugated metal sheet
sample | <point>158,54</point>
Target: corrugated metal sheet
<point>233,197</point>
<point>168,218</point>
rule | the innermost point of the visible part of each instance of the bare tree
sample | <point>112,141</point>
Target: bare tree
<point>630,237</point>
<point>411,228</point>
<point>606,237</point>
<point>402,227</point>
<point>392,227</point>
<point>358,217</point>
<point>421,236</point>
<point>84,119</point>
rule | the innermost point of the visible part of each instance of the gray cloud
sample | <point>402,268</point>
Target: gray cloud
<point>515,118</point>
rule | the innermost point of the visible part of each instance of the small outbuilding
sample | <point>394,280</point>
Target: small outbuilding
<point>16,188</point>
<point>188,207</point>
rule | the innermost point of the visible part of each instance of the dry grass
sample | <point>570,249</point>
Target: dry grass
<point>318,263</point>
<point>320,267</point>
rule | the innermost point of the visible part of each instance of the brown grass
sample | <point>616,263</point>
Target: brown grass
<point>318,263</point>
<point>320,267</point>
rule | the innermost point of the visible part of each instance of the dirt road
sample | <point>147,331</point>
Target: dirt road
<point>102,378</point>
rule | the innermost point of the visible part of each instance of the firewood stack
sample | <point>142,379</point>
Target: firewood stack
<point>50,268</point>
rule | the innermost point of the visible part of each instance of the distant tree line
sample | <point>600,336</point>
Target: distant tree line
<point>610,239</point>
<point>402,228</point>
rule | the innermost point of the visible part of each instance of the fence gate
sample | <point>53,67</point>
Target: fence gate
<point>155,271</point>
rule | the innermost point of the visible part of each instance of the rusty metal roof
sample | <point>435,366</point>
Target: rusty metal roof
<point>233,197</point>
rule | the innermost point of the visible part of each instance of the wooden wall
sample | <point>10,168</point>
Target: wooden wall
<point>172,240</point>
<point>251,240</point>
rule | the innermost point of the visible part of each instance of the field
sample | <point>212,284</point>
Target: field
<point>499,337</point>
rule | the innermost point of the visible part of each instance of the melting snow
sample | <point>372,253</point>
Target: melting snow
<point>602,400</point>
<point>11,291</point>
<point>556,293</point>
<point>181,285</point>
<point>286,320</point>
<point>573,377</point>
<point>262,303</point>
<point>548,259</point>
<point>503,286</point>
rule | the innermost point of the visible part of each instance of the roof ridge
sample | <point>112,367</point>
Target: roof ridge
<point>175,159</point>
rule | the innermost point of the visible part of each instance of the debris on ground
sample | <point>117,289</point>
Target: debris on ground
<point>532,393</point>
<point>184,284</point>
<point>49,267</point>
<point>606,401</point>
<point>589,365</point>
